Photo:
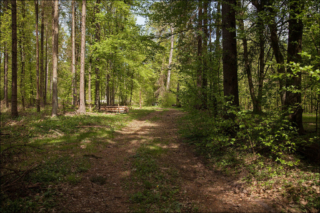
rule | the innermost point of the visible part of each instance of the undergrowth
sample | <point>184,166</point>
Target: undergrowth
<point>262,151</point>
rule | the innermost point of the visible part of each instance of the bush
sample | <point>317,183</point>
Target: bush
<point>167,100</point>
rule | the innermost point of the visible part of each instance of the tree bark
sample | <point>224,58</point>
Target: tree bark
<point>199,54</point>
<point>55,60</point>
<point>6,59</point>
<point>42,71</point>
<point>73,65</point>
<point>46,71</point>
<point>170,58</point>
<point>14,101</point>
<point>205,58</point>
<point>294,48</point>
<point>230,69</point>
<point>37,56</point>
<point>22,55</point>
<point>82,108</point>
<point>89,83</point>
<point>97,92</point>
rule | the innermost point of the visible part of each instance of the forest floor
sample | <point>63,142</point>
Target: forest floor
<point>135,162</point>
<point>146,168</point>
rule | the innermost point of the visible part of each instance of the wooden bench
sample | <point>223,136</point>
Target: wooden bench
<point>115,109</point>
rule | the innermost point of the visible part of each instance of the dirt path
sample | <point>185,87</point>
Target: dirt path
<point>199,186</point>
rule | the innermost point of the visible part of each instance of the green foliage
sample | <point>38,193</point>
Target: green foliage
<point>59,169</point>
<point>167,100</point>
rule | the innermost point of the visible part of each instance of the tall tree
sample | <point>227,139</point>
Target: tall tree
<point>293,99</point>
<point>55,59</point>
<point>6,61</point>
<point>205,51</point>
<point>230,68</point>
<point>97,91</point>
<point>82,108</point>
<point>46,70</point>
<point>170,58</point>
<point>22,54</point>
<point>42,82</point>
<point>37,57</point>
<point>73,63</point>
<point>14,101</point>
<point>199,61</point>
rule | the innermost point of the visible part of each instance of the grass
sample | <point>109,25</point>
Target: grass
<point>155,189</point>
<point>56,148</point>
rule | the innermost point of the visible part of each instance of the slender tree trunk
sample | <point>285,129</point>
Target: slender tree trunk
<point>170,59</point>
<point>55,60</point>
<point>22,55</point>
<point>89,84</point>
<point>294,49</point>
<point>140,100</point>
<point>262,65</point>
<point>46,71</point>
<point>218,50</point>
<point>200,68</point>
<point>131,89</point>
<point>97,92</point>
<point>6,59</point>
<point>73,68</point>
<point>14,101</point>
<point>277,53</point>
<point>42,71</point>
<point>247,67</point>
<point>230,69</point>
<point>37,56</point>
<point>82,108</point>
<point>108,89</point>
<point>205,62</point>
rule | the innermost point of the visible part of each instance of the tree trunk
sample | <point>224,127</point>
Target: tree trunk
<point>55,60</point>
<point>82,108</point>
<point>216,87</point>
<point>37,57</point>
<point>200,68</point>
<point>170,58</point>
<point>294,49</point>
<point>230,70</point>
<point>14,101</point>
<point>247,66</point>
<point>97,92</point>
<point>73,65</point>
<point>205,62</point>
<point>42,56</point>
<point>46,70</point>
<point>89,84</point>
<point>277,53</point>
<point>140,100</point>
<point>22,55</point>
<point>6,59</point>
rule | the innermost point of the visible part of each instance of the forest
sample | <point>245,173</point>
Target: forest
<point>215,105</point>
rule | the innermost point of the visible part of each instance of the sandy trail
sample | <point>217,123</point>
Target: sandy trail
<point>199,184</point>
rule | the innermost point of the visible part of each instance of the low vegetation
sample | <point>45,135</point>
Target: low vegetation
<point>39,154</point>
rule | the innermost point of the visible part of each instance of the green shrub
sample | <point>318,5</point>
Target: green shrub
<point>167,100</point>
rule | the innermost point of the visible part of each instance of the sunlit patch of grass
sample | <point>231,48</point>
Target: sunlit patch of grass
<point>58,145</point>
<point>157,191</point>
